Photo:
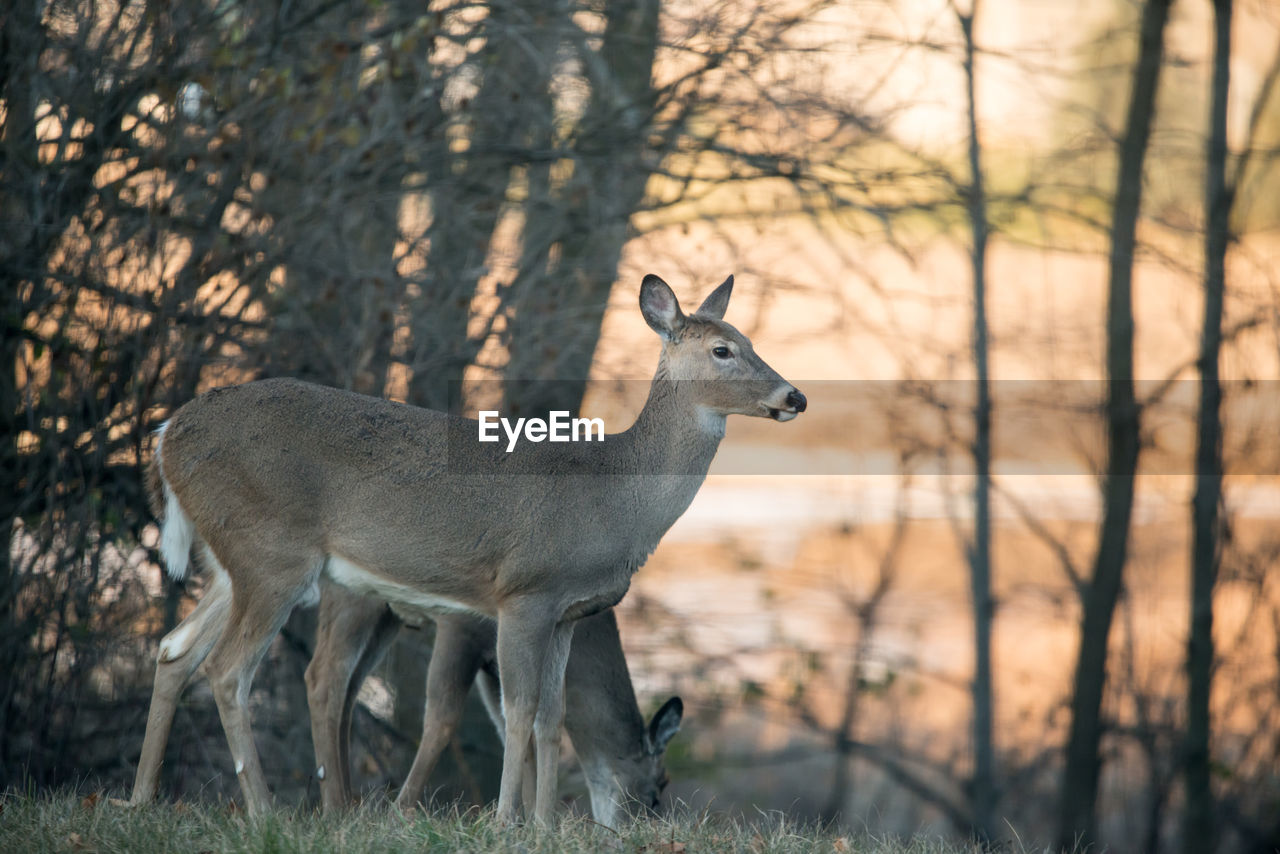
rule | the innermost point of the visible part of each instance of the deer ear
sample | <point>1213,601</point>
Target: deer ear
<point>718,300</point>
<point>660,307</point>
<point>665,724</point>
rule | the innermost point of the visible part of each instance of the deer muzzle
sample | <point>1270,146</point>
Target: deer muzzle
<point>795,404</point>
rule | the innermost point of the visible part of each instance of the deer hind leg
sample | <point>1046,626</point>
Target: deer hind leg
<point>349,629</point>
<point>549,720</point>
<point>181,653</point>
<point>384,633</point>
<point>257,615</point>
<point>461,642</point>
<point>525,630</point>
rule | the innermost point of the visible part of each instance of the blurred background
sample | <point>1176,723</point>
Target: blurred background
<point>1010,575</point>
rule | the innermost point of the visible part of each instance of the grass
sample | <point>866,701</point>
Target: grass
<point>67,822</point>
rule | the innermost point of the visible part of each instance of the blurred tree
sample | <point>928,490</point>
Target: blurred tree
<point>576,226</point>
<point>1076,823</point>
<point>982,786</point>
<point>1199,832</point>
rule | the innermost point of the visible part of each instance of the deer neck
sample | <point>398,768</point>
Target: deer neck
<point>674,434</point>
<point>668,449</point>
<point>602,717</point>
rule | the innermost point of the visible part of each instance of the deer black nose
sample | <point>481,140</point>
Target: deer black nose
<point>796,400</point>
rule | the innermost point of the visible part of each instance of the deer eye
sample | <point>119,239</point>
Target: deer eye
<point>721,352</point>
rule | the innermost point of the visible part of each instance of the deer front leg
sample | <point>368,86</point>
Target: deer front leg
<point>351,632</point>
<point>525,630</point>
<point>455,658</point>
<point>547,724</point>
<point>490,694</point>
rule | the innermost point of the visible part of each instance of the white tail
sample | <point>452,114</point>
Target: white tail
<point>177,532</point>
<point>288,484</point>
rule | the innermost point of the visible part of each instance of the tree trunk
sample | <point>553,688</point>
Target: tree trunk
<point>559,307</point>
<point>842,740</point>
<point>1198,831</point>
<point>982,793</point>
<point>509,115</point>
<point>1076,824</point>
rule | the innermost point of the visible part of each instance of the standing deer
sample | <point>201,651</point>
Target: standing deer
<point>620,756</point>
<point>286,483</point>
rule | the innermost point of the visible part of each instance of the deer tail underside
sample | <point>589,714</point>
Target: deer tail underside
<point>177,532</point>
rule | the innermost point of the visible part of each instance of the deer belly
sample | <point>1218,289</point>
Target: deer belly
<point>360,580</point>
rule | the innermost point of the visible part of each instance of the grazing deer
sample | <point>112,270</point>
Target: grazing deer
<point>285,483</point>
<point>620,756</point>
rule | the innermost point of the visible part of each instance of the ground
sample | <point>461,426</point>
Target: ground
<point>74,822</point>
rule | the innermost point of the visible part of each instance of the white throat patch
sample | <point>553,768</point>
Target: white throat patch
<point>710,422</point>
